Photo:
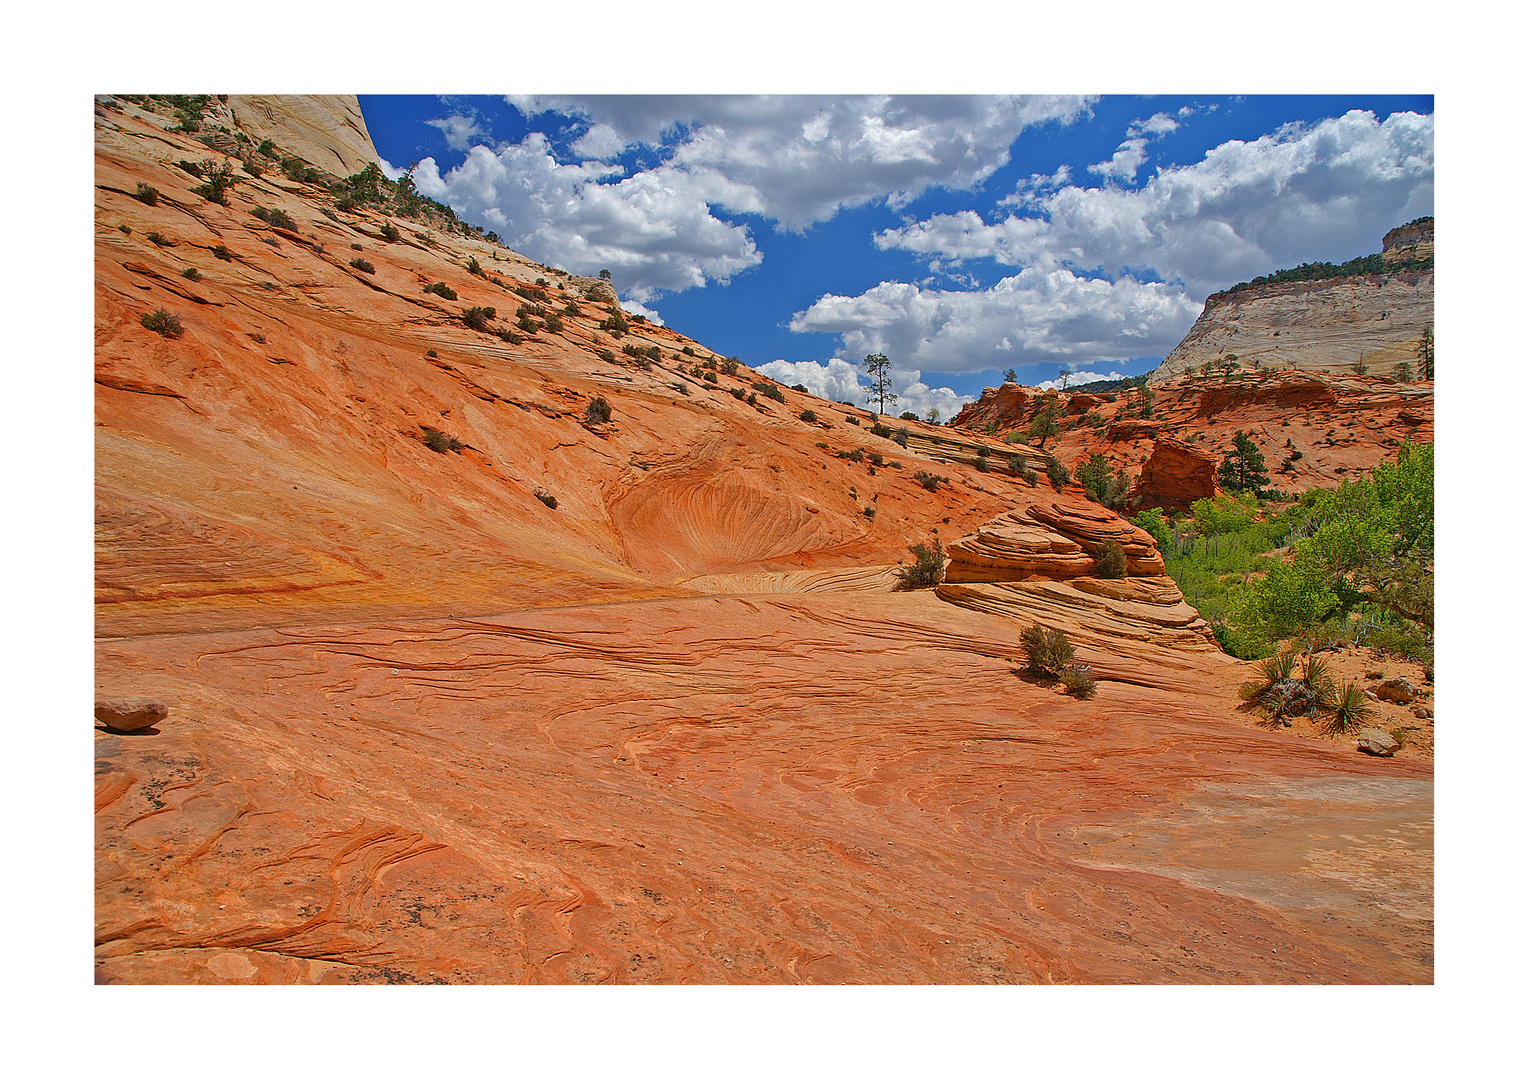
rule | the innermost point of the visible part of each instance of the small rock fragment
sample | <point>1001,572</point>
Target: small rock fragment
<point>1378,742</point>
<point>130,714</point>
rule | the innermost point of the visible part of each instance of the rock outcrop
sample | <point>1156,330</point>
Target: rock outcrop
<point>1039,565</point>
<point>1174,476</point>
<point>1374,321</point>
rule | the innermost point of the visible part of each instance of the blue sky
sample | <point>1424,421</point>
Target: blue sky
<point>958,235</point>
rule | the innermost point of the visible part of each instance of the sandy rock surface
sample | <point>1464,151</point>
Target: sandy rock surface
<point>429,728</point>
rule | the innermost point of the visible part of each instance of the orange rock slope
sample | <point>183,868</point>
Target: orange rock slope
<point>632,700</point>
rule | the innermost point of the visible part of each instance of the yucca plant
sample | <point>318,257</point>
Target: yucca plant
<point>1273,671</point>
<point>1319,680</point>
<point>1351,710</point>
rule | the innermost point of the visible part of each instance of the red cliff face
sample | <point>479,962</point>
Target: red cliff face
<point>1175,475</point>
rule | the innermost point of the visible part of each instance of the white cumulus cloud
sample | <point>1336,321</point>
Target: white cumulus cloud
<point>1330,190</point>
<point>653,231</point>
<point>839,380</point>
<point>1034,317</point>
<point>799,159</point>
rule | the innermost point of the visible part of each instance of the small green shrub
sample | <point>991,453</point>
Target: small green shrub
<point>389,232</point>
<point>730,367</point>
<point>928,568</point>
<point>363,266</point>
<point>769,390</point>
<point>930,481</point>
<point>162,323</point>
<point>147,194</point>
<point>908,416</point>
<point>808,416</point>
<point>475,268</point>
<point>478,318</point>
<point>1047,651</point>
<point>1079,680</point>
<point>606,355</point>
<point>1111,561</point>
<point>598,411</point>
<point>219,179</point>
<point>901,438</point>
<point>1057,473</point>
<point>441,289</point>
<point>869,512</point>
<point>251,168</point>
<point>160,241</point>
<point>222,252</point>
<point>191,273</point>
<point>547,498</point>
<point>439,441</point>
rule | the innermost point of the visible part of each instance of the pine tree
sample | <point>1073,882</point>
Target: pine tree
<point>878,368</point>
<point>1242,468</point>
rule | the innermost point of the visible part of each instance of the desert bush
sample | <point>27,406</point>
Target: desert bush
<point>159,241</point>
<point>191,273</point>
<point>389,232</point>
<point>475,268</point>
<point>908,416</point>
<point>881,430</point>
<point>441,289</point>
<point>222,252</point>
<point>982,465</point>
<point>478,317</point>
<point>252,168</point>
<point>547,498</point>
<point>598,411</point>
<point>1030,476</point>
<point>363,266</point>
<point>162,323</point>
<point>876,459</point>
<point>219,179</point>
<point>1111,561</point>
<point>769,390</point>
<point>606,355</point>
<point>1047,651</point>
<point>147,194</point>
<point>730,367</point>
<point>808,416</point>
<point>869,512</point>
<point>688,350</point>
<point>930,481</point>
<point>927,570</point>
<point>737,392</point>
<point>1057,473</point>
<point>1079,680</point>
<point>553,323</point>
<point>439,441</point>
<point>901,438</point>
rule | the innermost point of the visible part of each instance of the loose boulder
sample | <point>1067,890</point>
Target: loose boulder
<point>130,714</point>
<point>1396,689</point>
<point>1378,742</point>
